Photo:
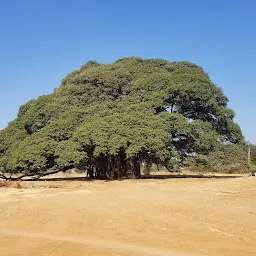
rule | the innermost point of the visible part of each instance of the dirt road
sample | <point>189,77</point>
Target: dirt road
<point>132,217</point>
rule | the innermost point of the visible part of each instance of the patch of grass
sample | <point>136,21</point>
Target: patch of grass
<point>3,183</point>
<point>18,185</point>
<point>12,184</point>
<point>54,186</point>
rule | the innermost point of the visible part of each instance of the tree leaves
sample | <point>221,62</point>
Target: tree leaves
<point>110,118</point>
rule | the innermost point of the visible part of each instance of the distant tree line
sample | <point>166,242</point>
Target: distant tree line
<point>253,154</point>
<point>108,119</point>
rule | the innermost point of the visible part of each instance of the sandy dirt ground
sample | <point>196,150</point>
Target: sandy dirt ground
<point>132,217</point>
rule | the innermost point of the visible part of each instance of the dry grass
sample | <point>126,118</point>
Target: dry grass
<point>3,183</point>
<point>12,184</point>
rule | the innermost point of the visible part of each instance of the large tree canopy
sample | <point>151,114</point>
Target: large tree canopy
<point>108,119</point>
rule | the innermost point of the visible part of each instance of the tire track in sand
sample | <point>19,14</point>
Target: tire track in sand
<point>133,248</point>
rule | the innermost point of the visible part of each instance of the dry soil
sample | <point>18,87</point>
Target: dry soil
<point>132,217</point>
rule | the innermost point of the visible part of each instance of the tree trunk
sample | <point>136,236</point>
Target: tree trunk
<point>136,167</point>
<point>119,171</point>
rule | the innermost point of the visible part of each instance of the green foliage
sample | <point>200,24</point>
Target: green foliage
<point>224,158</point>
<point>67,153</point>
<point>108,119</point>
<point>253,154</point>
<point>32,154</point>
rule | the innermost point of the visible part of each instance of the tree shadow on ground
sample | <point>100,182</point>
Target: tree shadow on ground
<point>143,177</point>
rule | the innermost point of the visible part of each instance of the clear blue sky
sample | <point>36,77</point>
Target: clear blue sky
<point>42,41</point>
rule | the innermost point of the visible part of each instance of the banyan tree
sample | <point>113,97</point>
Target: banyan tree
<point>109,119</point>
